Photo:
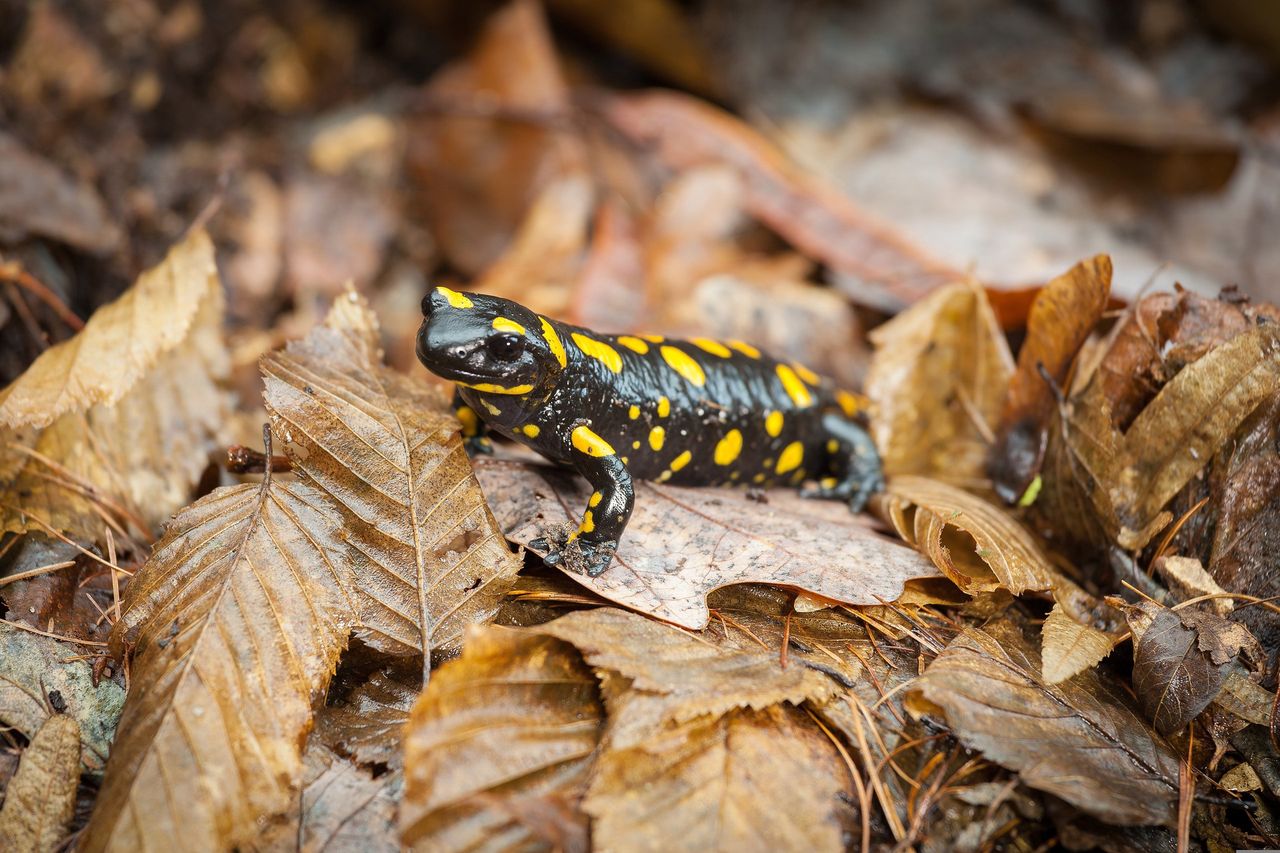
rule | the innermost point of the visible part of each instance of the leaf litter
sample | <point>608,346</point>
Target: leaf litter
<point>352,652</point>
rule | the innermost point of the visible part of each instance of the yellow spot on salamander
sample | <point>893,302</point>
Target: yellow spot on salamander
<point>713,347</point>
<point>633,343</point>
<point>664,407</point>
<point>586,441</point>
<point>625,460</point>
<point>456,299</point>
<point>728,448</point>
<point>773,424</point>
<point>828,482</point>
<point>664,476</point>
<point>470,423</point>
<point>530,430</point>
<point>654,339</point>
<point>491,408</point>
<point>657,437</point>
<point>806,374</point>
<point>679,361</point>
<point>588,523</point>
<point>633,412</point>
<point>796,390</point>
<point>502,324</point>
<point>758,478</point>
<point>490,388</point>
<point>635,445</point>
<point>680,461</point>
<point>798,476</point>
<point>850,404</point>
<point>596,497</point>
<point>790,458</point>
<point>553,340</point>
<point>600,351</point>
<point>745,348</point>
<point>833,446</point>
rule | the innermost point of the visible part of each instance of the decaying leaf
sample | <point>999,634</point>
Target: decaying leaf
<point>766,779</point>
<point>976,544</point>
<point>514,722</point>
<point>431,559</point>
<point>36,198</point>
<point>32,667</point>
<point>1062,316</point>
<point>369,725</point>
<point>938,379</point>
<point>41,797</point>
<point>1172,678</point>
<point>815,219</point>
<point>1080,740</point>
<point>1188,576</point>
<point>238,619</point>
<point>1069,647</point>
<point>721,538</point>
<point>118,420</point>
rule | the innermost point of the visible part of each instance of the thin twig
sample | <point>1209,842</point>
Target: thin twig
<point>14,273</point>
<point>31,573</point>
<point>65,639</point>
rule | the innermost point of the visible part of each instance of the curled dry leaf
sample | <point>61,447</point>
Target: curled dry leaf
<point>766,779</point>
<point>665,568</point>
<point>938,379</point>
<point>821,223</point>
<point>41,797</point>
<point>1080,740</point>
<point>430,557</point>
<point>118,420</point>
<point>976,544</point>
<point>1068,647</point>
<point>1062,316</point>
<point>32,667</point>
<point>238,619</point>
<point>512,723</point>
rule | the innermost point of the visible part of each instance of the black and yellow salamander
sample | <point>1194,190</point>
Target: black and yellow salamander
<point>620,407</point>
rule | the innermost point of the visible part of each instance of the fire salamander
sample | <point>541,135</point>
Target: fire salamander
<point>620,407</point>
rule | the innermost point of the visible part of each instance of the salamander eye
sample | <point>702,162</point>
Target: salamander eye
<point>505,347</point>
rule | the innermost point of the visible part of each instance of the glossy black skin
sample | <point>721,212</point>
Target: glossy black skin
<point>458,341</point>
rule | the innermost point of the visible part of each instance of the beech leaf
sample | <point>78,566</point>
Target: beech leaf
<point>369,724</point>
<point>1069,647</point>
<point>1080,740</point>
<point>515,720</point>
<point>937,381</point>
<point>430,557</point>
<point>41,797</point>
<point>976,544</point>
<point>238,619</point>
<point>681,543</point>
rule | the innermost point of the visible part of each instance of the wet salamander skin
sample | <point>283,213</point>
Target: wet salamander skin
<point>619,407</point>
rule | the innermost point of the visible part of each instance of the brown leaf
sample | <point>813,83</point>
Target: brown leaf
<point>37,199</point>
<point>477,170</point>
<point>515,720</point>
<point>430,559</point>
<point>1186,575</point>
<point>139,404</point>
<point>687,132</point>
<point>1069,647</point>
<point>368,726</point>
<point>1080,740</point>
<point>1172,678</point>
<point>937,381</point>
<point>41,797</point>
<point>766,779</point>
<point>976,544</point>
<point>1062,316</point>
<point>238,619</point>
<point>682,543</point>
<point>32,667</point>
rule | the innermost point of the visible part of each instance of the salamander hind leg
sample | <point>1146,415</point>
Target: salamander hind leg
<point>855,464</point>
<point>608,509</point>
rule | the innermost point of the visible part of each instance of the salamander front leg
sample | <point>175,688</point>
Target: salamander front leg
<point>609,508</point>
<point>855,462</point>
<point>475,435</point>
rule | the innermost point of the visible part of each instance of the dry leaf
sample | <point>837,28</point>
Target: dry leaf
<point>821,223</point>
<point>38,199</point>
<point>1173,679</point>
<point>976,544</point>
<point>766,779</point>
<point>1079,740</point>
<point>41,797</point>
<point>368,726</point>
<point>1062,316</point>
<point>238,619</point>
<point>384,446</point>
<point>137,391</point>
<point>1068,647</point>
<point>32,667</point>
<point>937,382</point>
<point>1244,699</point>
<point>682,543</point>
<point>515,720</point>
<point>1186,575</point>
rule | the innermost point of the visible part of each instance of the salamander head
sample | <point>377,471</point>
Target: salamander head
<point>489,344</point>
